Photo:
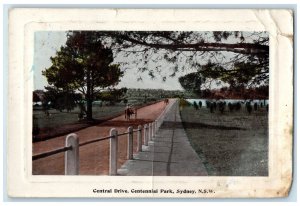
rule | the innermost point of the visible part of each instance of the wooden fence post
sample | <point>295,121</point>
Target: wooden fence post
<point>139,138</point>
<point>113,156</point>
<point>150,136</point>
<point>72,156</point>
<point>146,135</point>
<point>153,129</point>
<point>130,143</point>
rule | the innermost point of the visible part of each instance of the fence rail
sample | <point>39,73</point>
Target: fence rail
<point>72,145</point>
<point>50,153</point>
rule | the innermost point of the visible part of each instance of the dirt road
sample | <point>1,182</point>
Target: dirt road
<point>93,157</point>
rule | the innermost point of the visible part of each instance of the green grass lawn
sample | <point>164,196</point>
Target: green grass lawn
<point>58,118</point>
<point>230,144</point>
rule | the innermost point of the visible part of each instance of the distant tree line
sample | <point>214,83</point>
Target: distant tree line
<point>60,100</point>
<point>261,92</point>
<point>157,94</point>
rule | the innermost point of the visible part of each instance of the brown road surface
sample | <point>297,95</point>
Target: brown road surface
<point>94,158</point>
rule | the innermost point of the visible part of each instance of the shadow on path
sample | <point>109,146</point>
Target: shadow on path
<point>178,125</point>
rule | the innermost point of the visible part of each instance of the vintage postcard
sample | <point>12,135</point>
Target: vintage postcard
<point>150,103</point>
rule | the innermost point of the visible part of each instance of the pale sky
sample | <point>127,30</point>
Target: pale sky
<point>47,43</point>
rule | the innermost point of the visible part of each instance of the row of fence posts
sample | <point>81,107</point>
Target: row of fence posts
<point>72,155</point>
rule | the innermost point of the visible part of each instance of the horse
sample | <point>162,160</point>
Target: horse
<point>130,111</point>
<point>166,101</point>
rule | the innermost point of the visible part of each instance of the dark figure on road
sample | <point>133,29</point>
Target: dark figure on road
<point>195,105</point>
<point>215,105</point>
<point>208,104</point>
<point>200,104</point>
<point>255,106</point>
<point>221,106</point>
<point>230,106</point>
<point>166,101</point>
<point>249,107</point>
<point>238,106</point>
<point>130,111</point>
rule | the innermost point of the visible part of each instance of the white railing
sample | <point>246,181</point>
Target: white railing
<point>72,144</point>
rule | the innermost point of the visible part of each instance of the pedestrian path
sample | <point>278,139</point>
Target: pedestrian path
<point>168,154</point>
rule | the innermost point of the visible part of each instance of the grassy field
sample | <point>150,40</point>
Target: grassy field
<point>58,118</point>
<point>231,144</point>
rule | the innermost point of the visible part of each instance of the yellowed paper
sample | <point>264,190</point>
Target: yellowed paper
<point>24,22</point>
